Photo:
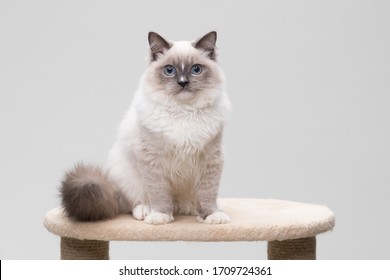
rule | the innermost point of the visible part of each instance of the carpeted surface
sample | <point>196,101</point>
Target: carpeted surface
<point>251,220</point>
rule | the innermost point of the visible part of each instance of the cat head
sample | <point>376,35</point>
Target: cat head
<point>184,72</point>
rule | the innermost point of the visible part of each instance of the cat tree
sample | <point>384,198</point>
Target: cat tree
<point>290,228</point>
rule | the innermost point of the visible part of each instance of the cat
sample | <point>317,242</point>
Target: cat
<point>168,157</point>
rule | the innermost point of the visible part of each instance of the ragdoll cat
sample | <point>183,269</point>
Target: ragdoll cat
<point>167,158</point>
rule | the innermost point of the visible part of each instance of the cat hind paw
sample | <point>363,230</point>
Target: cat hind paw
<point>157,218</point>
<point>215,218</point>
<point>141,211</point>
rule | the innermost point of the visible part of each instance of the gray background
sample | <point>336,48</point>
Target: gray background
<point>309,83</point>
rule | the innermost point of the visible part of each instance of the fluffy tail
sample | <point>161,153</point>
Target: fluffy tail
<point>88,194</point>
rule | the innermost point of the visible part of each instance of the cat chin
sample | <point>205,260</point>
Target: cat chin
<point>199,99</point>
<point>185,95</point>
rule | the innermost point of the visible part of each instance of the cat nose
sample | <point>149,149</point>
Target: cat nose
<point>183,82</point>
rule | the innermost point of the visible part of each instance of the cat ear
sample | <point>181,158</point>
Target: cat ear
<point>157,45</point>
<point>207,44</point>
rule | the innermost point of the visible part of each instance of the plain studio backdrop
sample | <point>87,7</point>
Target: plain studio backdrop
<point>309,82</point>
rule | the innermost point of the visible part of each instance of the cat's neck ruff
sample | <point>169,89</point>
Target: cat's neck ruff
<point>188,128</point>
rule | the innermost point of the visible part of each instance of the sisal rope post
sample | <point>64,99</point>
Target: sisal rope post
<point>292,249</point>
<point>75,249</point>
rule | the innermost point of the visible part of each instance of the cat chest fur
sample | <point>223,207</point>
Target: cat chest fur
<point>185,130</point>
<point>180,144</point>
<point>181,169</point>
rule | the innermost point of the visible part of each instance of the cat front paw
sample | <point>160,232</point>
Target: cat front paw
<point>141,211</point>
<point>215,218</point>
<point>157,218</point>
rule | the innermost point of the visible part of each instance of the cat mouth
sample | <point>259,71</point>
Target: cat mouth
<point>184,94</point>
<point>184,91</point>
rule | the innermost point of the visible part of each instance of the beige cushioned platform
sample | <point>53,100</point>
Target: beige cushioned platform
<point>251,220</point>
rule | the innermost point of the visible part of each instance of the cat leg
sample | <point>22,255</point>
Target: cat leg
<point>161,203</point>
<point>207,192</point>
<point>157,189</point>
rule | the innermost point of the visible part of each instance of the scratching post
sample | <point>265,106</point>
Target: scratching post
<point>74,249</point>
<point>293,249</point>
<point>290,228</point>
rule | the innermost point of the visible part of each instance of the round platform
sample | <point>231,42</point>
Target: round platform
<point>251,220</point>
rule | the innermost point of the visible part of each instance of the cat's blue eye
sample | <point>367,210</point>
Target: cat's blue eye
<point>169,70</point>
<point>196,69</point>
